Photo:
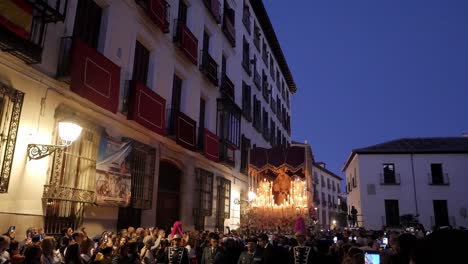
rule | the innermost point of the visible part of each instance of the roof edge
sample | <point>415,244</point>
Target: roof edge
<point>327,171</point>
<point>265,23</point>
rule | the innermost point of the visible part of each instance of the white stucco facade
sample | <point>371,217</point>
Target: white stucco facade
<point>123,23</point>
<point>326,189</point>
<point>413,190</point>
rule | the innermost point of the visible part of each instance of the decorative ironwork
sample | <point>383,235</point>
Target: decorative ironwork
<point>39,151</point>
<point>17,99</point>
<point>64,193</point>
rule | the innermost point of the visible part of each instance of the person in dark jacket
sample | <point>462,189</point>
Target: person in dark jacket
<point>269,252</point>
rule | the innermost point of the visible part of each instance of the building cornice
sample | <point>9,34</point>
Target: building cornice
<point>270,35</point>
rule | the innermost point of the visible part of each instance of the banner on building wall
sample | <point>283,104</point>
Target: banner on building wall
<point>113,173</point>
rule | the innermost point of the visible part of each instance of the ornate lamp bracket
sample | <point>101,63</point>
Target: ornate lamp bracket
<point>39,151</point>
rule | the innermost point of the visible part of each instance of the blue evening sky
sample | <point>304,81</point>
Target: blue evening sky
<point>369,71</point>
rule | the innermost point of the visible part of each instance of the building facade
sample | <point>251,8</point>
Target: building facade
<point>423,177</point>
<point>193,85</point>
<point>327,190</point>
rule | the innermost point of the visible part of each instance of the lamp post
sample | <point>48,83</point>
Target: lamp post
<point>68,133</point>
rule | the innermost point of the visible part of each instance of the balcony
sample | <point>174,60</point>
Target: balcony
<point>23,26</point>
<point>228,122</point>
<point>438,179</point>
<point>146,107</point>
<point>90,74</point>
<point>182,128</point>
<point>227,154</point>
<point>186,41</point>
<point>227,87</point>
<point>390,179</point>
<point>214,6</point>
<point>211,146</point>
<point>209,67</point>
<point>158,11</point>
<point>228,26</point>
<point>257,80</point>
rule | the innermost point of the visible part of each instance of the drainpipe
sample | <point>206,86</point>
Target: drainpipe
<point>414,186</point>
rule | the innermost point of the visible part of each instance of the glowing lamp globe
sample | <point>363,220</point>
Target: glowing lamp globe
<point>252,196</point>
<point>68,131</point>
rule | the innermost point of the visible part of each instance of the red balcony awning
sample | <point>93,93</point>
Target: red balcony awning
<point>188,42</point>
<point>95,77</point>
<point>157,11</point>
<point>211,146</point>
<point>147,108</point>
<point>186,131</point>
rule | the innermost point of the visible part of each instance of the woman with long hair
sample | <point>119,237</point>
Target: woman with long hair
<point>32,254</point>
<point>48,246</point>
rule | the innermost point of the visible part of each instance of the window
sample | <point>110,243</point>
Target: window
<point>206,42</point>
<point>316,178</point>
<point>265,124</point>
<point>201,124</point>
<point>182,15</point>
<point>224,202</point>
<point>11,102</point>
<point>247,101</point>
<point>257,114</point>
<point>392,213</point>
<point>354,182</point>
<point>229,116</point>
<point>245,147</point>
<point>141,63</point>
<point>265,53</point>
<point>72,182</point>
<point>203,200</point>
<point>256,36</point>
<point>389,173</point>
<point>246,17</point>
<point>246,57</point>
<point>278,137</point>
<point>223,65</point>
<point>272,68</point>
<point>329,201</point>
<point>322,180</point>
<point>328,184</point>
<point>333,186</point>
<point>324,201</point>
<point>437,175</point>
<point>272,132</point>
<point>88,22</point>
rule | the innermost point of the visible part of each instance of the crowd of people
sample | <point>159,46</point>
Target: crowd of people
<point>154,246</point>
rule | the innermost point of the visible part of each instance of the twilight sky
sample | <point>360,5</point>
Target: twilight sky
<point>369,71</point>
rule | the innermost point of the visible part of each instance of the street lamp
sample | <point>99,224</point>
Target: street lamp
<point>68,132</point>
<point>334,222</point>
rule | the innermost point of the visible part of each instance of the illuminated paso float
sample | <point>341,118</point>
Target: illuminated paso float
<point>280,185</point>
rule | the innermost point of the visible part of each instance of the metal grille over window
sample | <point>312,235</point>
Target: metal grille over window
<point>224,202</point>
<point>72,183</point>
<point>203,205</point>
<point>143,162</point>
<point>11,102</point>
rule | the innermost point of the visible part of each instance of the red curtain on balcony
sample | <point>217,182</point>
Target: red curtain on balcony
<point>147,108</point>
<point>16,16</point>
<point>211,146</point>
<point>186,131</point>
<point>188,42</point>
<point>94,76</point>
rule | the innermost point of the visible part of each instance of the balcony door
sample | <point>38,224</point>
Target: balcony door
<point>176,101</point>
<point>389,173</point>
<point>441,212</point>
<point>88,22</point>
<point>437,173</point>
<point>392,212</point>
<point>183,12</point>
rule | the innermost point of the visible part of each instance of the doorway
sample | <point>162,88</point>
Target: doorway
<point>441,213</point>
<point>168,205</point>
